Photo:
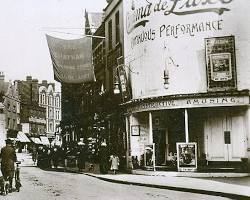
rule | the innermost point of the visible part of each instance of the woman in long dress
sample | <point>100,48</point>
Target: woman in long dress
<point>114,163</point>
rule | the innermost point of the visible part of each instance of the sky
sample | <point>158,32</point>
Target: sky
<point>23,25</point>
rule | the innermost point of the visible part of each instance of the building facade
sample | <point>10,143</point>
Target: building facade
<point>114,46</point>
<point>51,100</point>
<point>32,116</point>
<point>187,67</point>
<point>9,110</point>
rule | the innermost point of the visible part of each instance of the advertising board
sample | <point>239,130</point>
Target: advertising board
<point>186,156</point>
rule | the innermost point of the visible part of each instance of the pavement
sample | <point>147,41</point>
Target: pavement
<point>230,185</point>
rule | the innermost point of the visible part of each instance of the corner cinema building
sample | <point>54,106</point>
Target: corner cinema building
<point>188,66</point>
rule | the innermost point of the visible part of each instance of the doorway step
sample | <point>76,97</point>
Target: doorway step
<point>221,166</point>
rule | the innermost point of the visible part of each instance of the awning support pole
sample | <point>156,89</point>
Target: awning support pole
<point>186,126</point>
<point>150,129</point>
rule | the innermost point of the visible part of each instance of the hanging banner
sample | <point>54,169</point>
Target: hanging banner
<point>72,59</point>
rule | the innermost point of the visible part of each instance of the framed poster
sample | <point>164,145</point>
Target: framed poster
<point>135,130</point>
<point>220,62</point>
<point>186,156</point>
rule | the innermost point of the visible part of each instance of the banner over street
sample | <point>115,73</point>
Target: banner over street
<point>72,59</point>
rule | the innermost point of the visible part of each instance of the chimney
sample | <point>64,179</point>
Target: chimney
<point>1,76</point>
<point>28,78</point>
<point>44,82</point>
<point>35,80</point>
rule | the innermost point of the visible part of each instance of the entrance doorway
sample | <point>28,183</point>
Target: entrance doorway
<point>225,136</point>
<point>159,138</point>
<point>168,129</point>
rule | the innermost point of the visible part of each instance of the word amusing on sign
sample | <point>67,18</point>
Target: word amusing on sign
<point>137,17</point>
<point>190,103</point>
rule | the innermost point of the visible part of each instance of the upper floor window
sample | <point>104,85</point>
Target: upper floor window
<point>117,27</point>
<point>43,99</point>
<point>57,101</point>
<point>50,100</point>
<point>110,34</point>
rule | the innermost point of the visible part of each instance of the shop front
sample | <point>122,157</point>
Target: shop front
<point>199,132</point>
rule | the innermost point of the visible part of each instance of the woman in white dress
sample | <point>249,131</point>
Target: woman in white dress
<point>114,163</point>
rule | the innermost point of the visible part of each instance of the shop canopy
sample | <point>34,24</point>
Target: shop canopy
<point>45,140</point>
<point>21,137</point>
<point>36,140</point>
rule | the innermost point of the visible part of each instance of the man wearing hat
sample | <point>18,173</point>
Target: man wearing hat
<point>8,158</point>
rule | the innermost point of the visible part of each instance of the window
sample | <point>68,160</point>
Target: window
<point>110,34</point>
<point>57,102</point>
<point>50,127</point>
<point>43,99</point>
<point>50,113</point>
<point>8,123</point>
<point>50,100</point>
<point>117,27</point>
<point>14,124</point>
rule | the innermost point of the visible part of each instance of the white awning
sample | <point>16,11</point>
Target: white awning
<point>21,137</point>
<point>45,140</point>
<point>36,140</point>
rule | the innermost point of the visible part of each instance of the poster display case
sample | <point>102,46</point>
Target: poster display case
<point>186,157</point>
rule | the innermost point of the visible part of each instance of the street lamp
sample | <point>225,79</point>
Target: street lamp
<point>166,78</point>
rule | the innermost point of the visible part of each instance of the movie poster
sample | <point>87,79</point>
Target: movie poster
<point>187,156</point>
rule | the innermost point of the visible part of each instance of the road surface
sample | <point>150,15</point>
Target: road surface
<point>49,185</point>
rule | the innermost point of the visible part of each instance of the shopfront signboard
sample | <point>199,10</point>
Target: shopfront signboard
<point>186,156</point>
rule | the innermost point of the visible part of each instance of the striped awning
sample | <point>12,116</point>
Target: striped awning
<point>21,137</point>
<point>36,140</point>
<point>45,140</point>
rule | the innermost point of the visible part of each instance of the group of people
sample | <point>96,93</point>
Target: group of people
<point>8,158</point>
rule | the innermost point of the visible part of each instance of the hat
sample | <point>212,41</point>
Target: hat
<point>8,141</point>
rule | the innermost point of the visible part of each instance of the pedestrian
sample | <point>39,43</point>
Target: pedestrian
<point>114,159</point>
<point>34,154</point>
<point>8,158</point>
<point>103,157</point>
<point>55,157</point>
<point>81,158</point>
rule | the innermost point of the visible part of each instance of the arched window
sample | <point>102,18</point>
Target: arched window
<point>43,99</point>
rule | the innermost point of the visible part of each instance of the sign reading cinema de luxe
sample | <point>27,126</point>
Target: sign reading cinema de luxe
<point>169,36</point>
<point>72,59</point>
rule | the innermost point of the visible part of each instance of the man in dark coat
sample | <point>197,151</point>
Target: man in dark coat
<point>8,158</point>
